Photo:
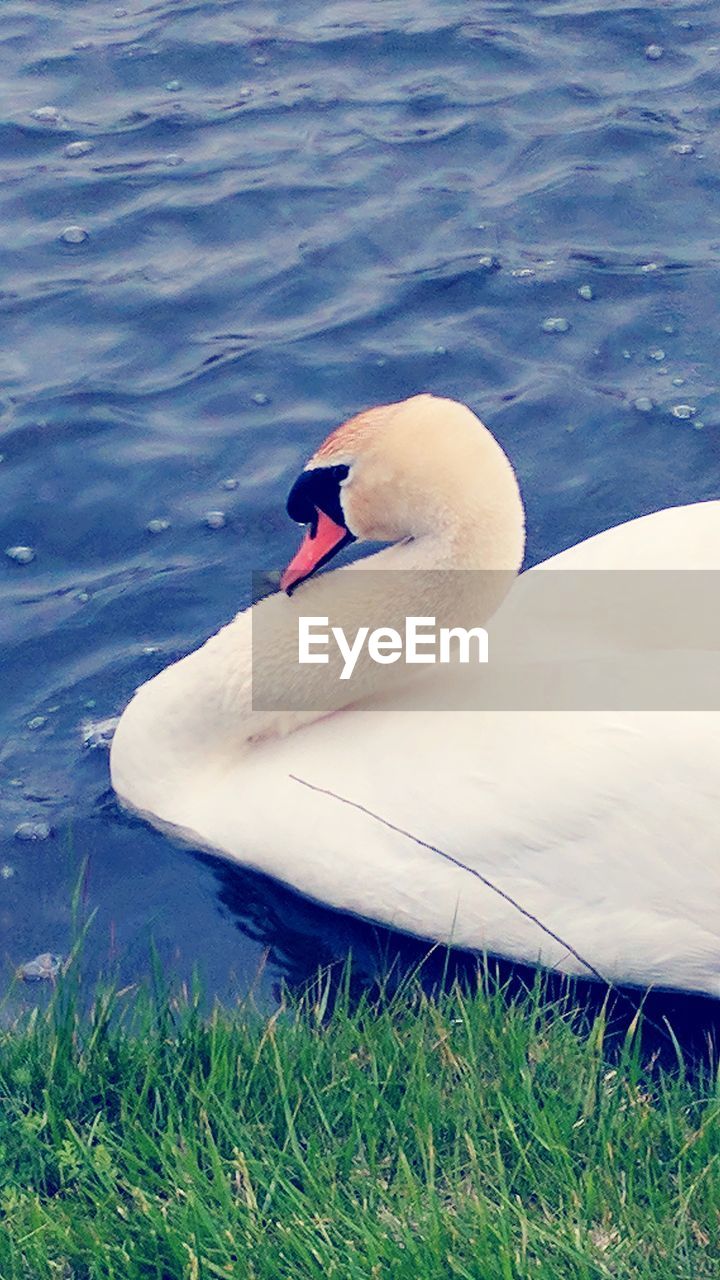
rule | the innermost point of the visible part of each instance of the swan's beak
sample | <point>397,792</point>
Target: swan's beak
<point>321,542</point>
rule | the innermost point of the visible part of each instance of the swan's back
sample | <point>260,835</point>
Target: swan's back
<point>675,538</point>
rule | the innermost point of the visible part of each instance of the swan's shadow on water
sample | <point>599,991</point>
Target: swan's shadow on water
<point>302,937</point>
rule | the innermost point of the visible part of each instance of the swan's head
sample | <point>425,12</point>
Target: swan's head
<point>423,467</point>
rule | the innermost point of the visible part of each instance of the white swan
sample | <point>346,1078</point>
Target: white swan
<point>601,825</point>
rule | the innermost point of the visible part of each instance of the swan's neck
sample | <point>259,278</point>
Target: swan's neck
<point>241,685</point>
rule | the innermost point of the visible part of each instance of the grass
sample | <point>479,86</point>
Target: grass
<point>461,1135</point>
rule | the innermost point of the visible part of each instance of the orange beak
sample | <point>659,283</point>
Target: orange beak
<point>315,550</point>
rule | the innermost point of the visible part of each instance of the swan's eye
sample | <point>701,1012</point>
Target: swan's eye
<point>317,490</point>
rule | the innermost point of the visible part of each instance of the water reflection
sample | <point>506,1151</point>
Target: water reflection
<point>300,938</point>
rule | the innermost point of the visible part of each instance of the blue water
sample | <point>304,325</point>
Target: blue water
<point>294,211</point>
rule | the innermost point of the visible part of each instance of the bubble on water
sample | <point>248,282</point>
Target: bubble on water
<point>683,149</point>
<point>627,355</point>
<point>158,525</point>
<point>37,722</point>
<point>523,273</point>
<point>230,483</point>
<point>678,382</point>
<point>173,159</point>
<point>33,831</point>
<point>6,871</point>
<point>98,734</point>
<point>42,968</point>
<point>2,457</point>
<point>683,411</point>
<point>488,262</point>
<point>21,555</point>
<point>662,373</point>
<point>260,60</point>
<point>653,52</point>
<point>82,597</point>
<point>259,397</point>
<point>173,86</point>
<point>81,148</point>
<point>150,649</point>
<point>441,351</point>
<point>75,235</point>
<point>643,404</point>
<point>657,354</point>
<point>79,45</point>
<point>585,291</point>
<point>120,13</point>
<point>215,519</point>
<point>669,328</point>
<point>555,324</point>
<point>647,267</point>
<point>698,425</point>
<point>47,115</point>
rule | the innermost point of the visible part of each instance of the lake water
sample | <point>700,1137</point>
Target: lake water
<point>280,215</point>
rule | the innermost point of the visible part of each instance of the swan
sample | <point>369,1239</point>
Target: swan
<point>582,841</point>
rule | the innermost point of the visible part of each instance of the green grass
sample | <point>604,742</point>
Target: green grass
<point>459,1136</point>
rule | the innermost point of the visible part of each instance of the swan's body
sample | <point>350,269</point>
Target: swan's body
<point>603,825</point>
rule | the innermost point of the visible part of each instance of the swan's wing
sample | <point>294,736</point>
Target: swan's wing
<point>601,825</point>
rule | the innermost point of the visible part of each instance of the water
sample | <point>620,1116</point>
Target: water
<point>225,228</point>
